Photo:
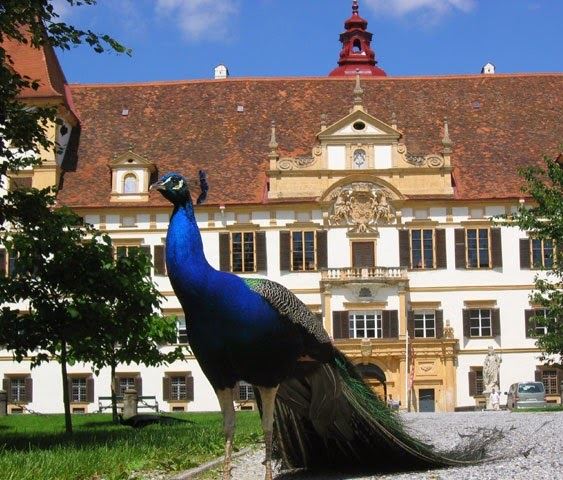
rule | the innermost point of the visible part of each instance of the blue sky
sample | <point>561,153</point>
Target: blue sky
<point>186,39</point>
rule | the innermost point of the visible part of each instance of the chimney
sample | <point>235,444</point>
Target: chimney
<point>221,72</point>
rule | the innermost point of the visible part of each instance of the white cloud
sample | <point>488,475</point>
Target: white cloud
<point>197,18</point>
<point>62,8</point>
<point>431,10</point>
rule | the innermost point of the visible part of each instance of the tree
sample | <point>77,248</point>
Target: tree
<point>544,221</point>
<point>82,304</point>
<point>36,23</point>
<point>129,330</point>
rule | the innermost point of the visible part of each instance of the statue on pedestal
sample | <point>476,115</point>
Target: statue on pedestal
<point>491,367</point>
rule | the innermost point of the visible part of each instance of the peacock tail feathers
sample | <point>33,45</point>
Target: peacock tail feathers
<point>328,418</point>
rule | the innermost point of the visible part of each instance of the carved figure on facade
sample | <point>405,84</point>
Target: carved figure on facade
<point>362,206</point>
<point>289,163</point>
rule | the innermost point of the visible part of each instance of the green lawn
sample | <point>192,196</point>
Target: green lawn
<point>35,447</point>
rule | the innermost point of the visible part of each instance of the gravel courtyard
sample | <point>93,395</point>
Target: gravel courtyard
<point>532,444</point>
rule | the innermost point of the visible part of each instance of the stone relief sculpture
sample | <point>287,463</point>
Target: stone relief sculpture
<point>361,206</point>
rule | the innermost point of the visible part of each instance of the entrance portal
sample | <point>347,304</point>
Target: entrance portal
<point>426,400</point>
<point>374,377</point>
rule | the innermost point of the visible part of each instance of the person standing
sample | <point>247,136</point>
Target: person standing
<point>495,399</point>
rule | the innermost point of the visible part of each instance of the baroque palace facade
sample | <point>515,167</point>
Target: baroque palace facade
<point>370,196</point>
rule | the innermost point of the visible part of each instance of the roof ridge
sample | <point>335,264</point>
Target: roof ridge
<point>331,79</point>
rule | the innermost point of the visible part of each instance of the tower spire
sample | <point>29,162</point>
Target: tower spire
<point>356,53</point>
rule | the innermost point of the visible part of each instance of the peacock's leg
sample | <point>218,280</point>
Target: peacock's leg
<point>268,397</point>
<point>225,397</point>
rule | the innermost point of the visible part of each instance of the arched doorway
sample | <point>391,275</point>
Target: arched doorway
<point>374,377</point>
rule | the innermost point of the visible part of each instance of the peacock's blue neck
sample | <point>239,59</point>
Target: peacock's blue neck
<point>185,260</point>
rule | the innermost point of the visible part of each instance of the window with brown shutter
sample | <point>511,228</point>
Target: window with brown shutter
<point>159,260</point>
<point>242,252</point>
<point>18,388</point>
<point>178,386</point>
<point>466,323</point>
<point>90,389</point>
<point>81,388</point>
<point>550,379</point>
<point>363,254</point>
<point>424,324</point>
<point>390,324</point>
<point>525,263</point>
<point>303,251</point>
<point>541,253</point>
<point>477,247</point>
<point>441,256</point>
<point>410,323</point>
<point>495,320</point>
<point>496,247</point>
<point>422,248</point>
<point>261,255</point>
<point>404,249</point>
<point>322,249</point>
<point>224,252</point>
<point>439,323</point>
<point>340,325</point>
<point>285,251</point>
<point>166,388</point>
<point>475,379</point>
<point>460,261</point>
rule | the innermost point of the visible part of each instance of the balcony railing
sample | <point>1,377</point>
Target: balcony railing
<point>364,274</point>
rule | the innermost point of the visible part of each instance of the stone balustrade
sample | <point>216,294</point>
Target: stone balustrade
<point>367,274</point>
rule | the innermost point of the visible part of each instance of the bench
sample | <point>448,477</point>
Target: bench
<point>143,401</point>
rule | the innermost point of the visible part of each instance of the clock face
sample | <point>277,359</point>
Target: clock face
<point>359,158</point>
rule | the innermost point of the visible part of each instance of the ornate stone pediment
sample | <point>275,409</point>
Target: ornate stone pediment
<point>362,206</point>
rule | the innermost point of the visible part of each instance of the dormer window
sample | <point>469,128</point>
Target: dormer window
<point>130,177</point>
<point>130,183</point>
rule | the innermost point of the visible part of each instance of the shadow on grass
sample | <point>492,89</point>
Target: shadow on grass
<point>88,435</point>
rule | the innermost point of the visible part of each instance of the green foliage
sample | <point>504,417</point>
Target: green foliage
<point>82,304</point>
<point>35,23</point>
<point>544,220</point>
<point>35,447</point>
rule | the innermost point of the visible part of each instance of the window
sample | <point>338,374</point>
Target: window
<point>549,380</point>
<point>476,386</point>
<point>541,253</point>
<point>242,252</point>
<point>78,390</point>
<point>363,254</point>
<point>422,248</point>
<point>365,324</point>
<point>480,322</point>
<point>478,248</point>
<point>126,250</point>
<point>245,391</point>
<point>540,329</point>
<point>181,331</point>
<point>126,383</point>
<point>424,324</point>
<point>178,388</point>
<point>18,393</point>
<point>130,183</point>
<point>303,251</point>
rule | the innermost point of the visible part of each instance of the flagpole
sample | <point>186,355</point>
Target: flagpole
<point>407,372</point>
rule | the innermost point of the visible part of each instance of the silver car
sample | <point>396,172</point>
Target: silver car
<point>525,395</point>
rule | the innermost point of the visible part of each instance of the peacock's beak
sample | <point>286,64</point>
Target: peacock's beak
<point>157,186</point>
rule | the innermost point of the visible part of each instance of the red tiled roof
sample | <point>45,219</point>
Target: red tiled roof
<point>497,124</point>
<point>37,64</point>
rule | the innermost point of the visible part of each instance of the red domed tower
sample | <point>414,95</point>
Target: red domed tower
<point>356,55</point>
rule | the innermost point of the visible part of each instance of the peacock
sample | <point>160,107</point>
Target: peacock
<point>316,411</point>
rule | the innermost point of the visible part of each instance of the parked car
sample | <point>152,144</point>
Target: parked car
<point>525,395</point>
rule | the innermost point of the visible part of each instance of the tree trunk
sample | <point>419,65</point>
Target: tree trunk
<point>113,396</point>
<point>66,393</point>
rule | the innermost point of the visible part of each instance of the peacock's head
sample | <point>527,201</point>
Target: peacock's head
<point>176,188</point>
